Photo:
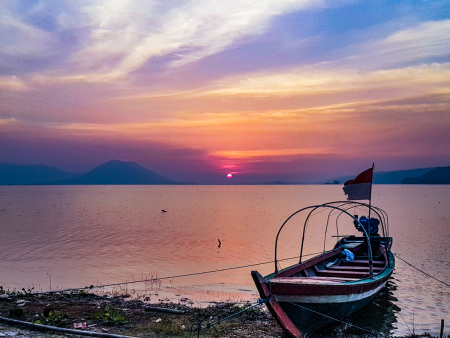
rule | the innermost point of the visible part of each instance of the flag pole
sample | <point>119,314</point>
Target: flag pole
<point>369,228</point>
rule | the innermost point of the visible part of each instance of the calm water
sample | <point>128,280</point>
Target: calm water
<point>73,236</point>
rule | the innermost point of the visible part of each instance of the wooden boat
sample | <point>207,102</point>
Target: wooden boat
<point>324,289</point>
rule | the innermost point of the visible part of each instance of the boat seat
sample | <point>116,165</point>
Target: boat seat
<point>342,274</point>
<point>360,262</point>
<point>354,268</point>
<point>310,280</point>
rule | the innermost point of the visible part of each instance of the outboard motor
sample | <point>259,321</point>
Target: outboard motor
<point>374,223</point>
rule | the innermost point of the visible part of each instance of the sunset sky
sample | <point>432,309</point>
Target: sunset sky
<point>265,90</point>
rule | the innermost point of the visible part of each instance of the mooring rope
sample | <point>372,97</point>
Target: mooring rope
<point>237,313</point>
<point>171,277</point>
<point>199,327</point>
<point>427,274</point>
<point>324,315</point>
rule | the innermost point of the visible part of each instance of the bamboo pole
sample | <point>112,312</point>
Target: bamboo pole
<point>369,227</point>
<point>39,327</point>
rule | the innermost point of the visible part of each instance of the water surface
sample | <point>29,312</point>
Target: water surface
<point>73,236</point>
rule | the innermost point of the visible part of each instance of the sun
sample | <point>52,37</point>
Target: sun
<point>229,176</point>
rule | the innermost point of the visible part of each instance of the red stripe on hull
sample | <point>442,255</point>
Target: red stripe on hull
<point>324,290</point>
<point>282,318</point>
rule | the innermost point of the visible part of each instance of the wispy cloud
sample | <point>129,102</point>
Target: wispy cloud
<point>12,83</point>
<point>417,80</point>
<point>20,39</point>
<point>267,153</point>
<point>406,60</point>
<point>7,122</point>
<point>124,35</point>
<point>193,30</point>
<point>423,43</point>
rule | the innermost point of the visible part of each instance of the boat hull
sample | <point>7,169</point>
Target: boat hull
<point>331,286</point>
<point>309,317</point>
<point>302,305</point>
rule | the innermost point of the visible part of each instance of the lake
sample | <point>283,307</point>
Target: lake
<point>57,237</point>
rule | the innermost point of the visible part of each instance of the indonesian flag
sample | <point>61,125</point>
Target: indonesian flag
<point>360,187</point>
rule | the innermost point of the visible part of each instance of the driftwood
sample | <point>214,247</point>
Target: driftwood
<point>39,327</point>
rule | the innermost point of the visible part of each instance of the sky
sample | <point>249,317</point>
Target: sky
<point>266,90</point>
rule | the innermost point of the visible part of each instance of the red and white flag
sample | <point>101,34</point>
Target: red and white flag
<point>360,187</point>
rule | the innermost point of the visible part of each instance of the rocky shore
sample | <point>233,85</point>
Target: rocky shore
<point>119,315</point>
<point>136,318</point>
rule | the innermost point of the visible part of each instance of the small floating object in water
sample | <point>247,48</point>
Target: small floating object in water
<point>220,243</point>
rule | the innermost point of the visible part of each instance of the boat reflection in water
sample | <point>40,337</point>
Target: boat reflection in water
<point>379,316</point>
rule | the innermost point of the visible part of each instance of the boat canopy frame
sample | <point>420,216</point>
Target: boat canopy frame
<point>338,206</point>
<point>382,215</point>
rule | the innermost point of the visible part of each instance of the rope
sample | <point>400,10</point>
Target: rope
<point>338,320</point>
<point>177,276</point>
<point>235,314</point>
<point>421,270</point>
<point>199,327</point>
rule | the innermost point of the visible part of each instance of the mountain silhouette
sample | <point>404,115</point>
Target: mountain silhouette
<point>19,174</point>
<point>387,177</point>
<point>118,172</point>
<point>439,175</point>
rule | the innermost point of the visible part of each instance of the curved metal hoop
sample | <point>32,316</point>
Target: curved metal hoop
<point>332,205</point>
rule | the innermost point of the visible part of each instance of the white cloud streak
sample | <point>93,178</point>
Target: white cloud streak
<point>428,40</point>
<point>421,79</point>
<point>125,34</point>
<point>202,28</point>
<point>121,36</point>
<point>12,83</point>
<point>19,39</point>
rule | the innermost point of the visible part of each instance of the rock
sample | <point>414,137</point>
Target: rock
<point>4,296</point>
<point>47,311</point>
<point>16,313</point>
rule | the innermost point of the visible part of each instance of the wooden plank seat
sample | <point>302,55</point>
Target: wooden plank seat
<point>342,274</point>
<point>310,280</point>
<point>354,268</point>
<point>361,263</point>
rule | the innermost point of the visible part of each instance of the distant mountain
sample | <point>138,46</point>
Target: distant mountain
<point>279,183</point>
<point>387,177</point>
<point>439,175</point>
<point>18,174</point>
<point>275,183</point>
<point>118,172</point>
